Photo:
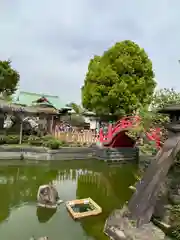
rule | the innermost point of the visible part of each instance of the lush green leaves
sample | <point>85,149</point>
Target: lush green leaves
<point>163,97</point>
<point>9,78</point>
<point>75,107</point>
<point>160,98</point>
<point>76,118</point>
<point>150,117</point>
<point>119,81</point>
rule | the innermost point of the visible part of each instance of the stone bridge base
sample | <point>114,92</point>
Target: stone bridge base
<point>119,227</point>
<point>114,155</point>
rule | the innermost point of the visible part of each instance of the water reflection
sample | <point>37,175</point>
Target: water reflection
<point>44,215</point>
<point>109,189</point>
<point>19,185</point>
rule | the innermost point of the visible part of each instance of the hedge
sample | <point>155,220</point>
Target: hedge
<point>46,141</point>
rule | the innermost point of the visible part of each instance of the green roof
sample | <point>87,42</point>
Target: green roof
<point>28,99</point>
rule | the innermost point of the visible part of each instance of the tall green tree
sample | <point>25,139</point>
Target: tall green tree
<point>160,99</point>
<point>150,117</point>
<point>77,108</point>
<point>163,97</point>
<point>9,78</point>
<point>119,81</point>
<point>76,118</point>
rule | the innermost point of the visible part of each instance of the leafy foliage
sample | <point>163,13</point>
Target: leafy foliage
<point>53,144</point>
<point>12,139</point>
<point>163,97</point>
<point>174,232</point>
<point>35,140</point>
<point>46,141</point>
<point>77,108</point>
<point>9,139</point>
<point>9,78</point>
<point>76,118</point>
<point>152,119</point>
<point>47,138</point>
<point>119,81</point>
<point>160,99</point>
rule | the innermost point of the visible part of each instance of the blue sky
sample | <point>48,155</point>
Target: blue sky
<point>50,42</point>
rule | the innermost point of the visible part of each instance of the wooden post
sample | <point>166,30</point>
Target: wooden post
<point>21,130</point>
<point>52,122</point>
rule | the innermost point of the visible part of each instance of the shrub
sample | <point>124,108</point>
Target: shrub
<point>2,140</point>
<point>174,232</point>
<point>11,139</point>
<point>25,138</point>
<point>34,140</point>
<point>47,138</point>
<point>148,149</point>
<point>64,143</point>
<point>53,144</point>
<point>78,144</point>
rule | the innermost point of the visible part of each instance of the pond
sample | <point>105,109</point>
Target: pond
<point>19,218</point>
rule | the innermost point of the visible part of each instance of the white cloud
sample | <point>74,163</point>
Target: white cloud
<point>51,42</point>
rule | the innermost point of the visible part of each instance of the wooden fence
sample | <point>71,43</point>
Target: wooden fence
<point>85,137</point>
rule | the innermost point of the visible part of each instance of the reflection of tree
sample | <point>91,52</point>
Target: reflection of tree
<point>109,189</point>
<point>4,202</point>
<point>44,215</point>
<point>20,184</point>
<point>121,179</point>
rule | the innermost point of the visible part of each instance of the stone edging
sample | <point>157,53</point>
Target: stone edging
<point>68,153</point>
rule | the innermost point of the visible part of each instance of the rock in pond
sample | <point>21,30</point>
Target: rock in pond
<point>48,197</point>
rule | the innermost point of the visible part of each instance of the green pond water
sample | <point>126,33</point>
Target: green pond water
<point>19,217</point>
